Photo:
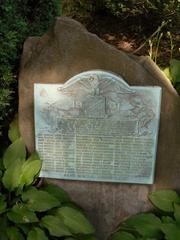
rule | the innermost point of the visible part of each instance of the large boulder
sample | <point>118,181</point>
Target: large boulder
<point>68,49</point>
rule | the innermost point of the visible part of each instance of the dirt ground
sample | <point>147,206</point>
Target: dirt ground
<point>133,37</point>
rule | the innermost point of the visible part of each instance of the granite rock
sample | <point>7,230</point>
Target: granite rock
<point>68,49</point>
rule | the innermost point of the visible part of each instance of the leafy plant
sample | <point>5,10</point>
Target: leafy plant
<point>35,213</point>
<point>163,223</point>
<point>19,19</point>
<point>173,73</point>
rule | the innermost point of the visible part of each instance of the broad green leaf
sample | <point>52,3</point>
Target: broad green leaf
<point>147,225</point>
<point>3,204</point>
<point>164,199</point>
<point>167,219</point>
<point>122,236</point>
<point>171,231</point>
<point>29,171</point>
<point>167,73</point>
<point>37,234</point>
<point>15,151</point>
<point>22,214</point>
<point>75,220</point>
<point>57,192</point>
<point>11,178</point>
<point>14,133</point>
<point>13,233</point>
<point>33,156</point>
<point>25,228</point>
<point>177,213</point>
<point>175,70</point>
<point>39,200</point>
<point>55,226</point>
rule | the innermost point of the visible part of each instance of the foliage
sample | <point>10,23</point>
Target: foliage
<point>28,212</point>
<point>173,73</point>
<point>163,224</point>
<point>160,8</point>
<point>82,8</point>
<point>19,19</point>
<point>157,10</point>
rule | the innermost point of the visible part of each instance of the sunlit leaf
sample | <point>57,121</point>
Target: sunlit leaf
<point>29,171</point>
<point>13,132</point>
<point>175,70</point>
<point>39,200</point>
<point>37,234</point>
<point>11,178</point>
<point>22,214</point>
<point>33,156</point>
<point>14,152</point>
<point>164,199</point>
<point>75,220</point>
<point>55,226</point>
<point>167,73</point>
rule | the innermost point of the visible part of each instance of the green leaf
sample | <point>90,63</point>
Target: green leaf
<point>20,213</point>
<point>57,192</point>
<point>37,234</point>
<point>33,156</point>
<point>3,204</point>
<point>55,226</point>
<point>147,225</point>
<point>15,151</point>
<point>171,231</point>
<point>175,70</point>
<point>164,199</point>
<point>13,233</point>
<point>14,133</point>
<point>177,213</point>
<point>25,228</point>
<point>39,200</point>
<point>167,73</point>
<point>167,219</point>
<point>11,178</point>
<point>122,236</point>
<point>75,220</point>
<point>29,171</point>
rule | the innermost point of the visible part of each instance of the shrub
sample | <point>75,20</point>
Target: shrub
<point>35,213</point>
<point>19,19</point>
<point>163,223</point>
<point>161,8</point>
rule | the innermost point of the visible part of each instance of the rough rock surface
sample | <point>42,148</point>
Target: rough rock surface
<point>68,49</point>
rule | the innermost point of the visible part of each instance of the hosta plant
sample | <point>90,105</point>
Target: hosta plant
<point>173,73</point>
<point>30,212</point>
<point>162,224</point>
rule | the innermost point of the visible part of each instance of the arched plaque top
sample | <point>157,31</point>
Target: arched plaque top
<point>91,79</point>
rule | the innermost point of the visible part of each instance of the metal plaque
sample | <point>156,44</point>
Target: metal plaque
<point>96,127</point>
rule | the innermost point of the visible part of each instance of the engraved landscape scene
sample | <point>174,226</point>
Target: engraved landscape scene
<point>96,127</point>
